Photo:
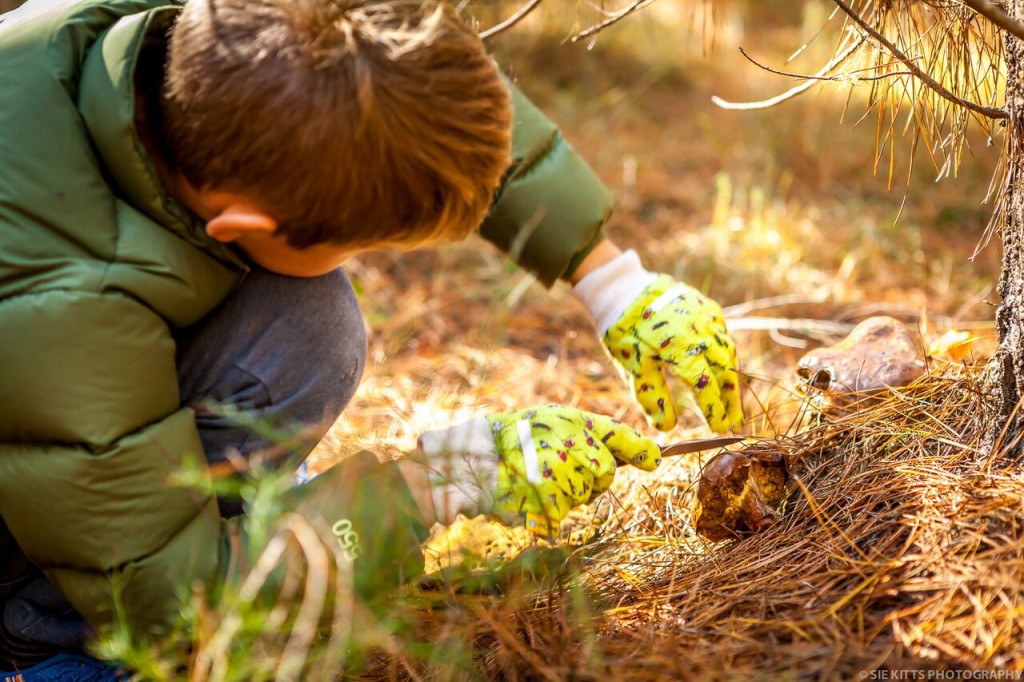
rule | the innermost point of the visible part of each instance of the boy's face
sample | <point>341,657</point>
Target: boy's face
<point>275,254</point>
<point>234,219</point>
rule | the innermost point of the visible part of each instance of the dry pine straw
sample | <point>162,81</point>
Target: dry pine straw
<point>901,547</point>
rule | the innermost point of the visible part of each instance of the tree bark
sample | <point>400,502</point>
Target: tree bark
<point>1005,377</point>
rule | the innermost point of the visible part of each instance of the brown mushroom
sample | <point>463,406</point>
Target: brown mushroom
<point>740,493</point>
<point>880,353</point>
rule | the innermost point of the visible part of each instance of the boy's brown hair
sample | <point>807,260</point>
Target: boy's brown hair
<point>355,122</point>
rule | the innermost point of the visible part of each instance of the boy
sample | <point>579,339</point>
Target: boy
<point>152,157</point>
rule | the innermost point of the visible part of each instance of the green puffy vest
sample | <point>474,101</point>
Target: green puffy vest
<point>97,266</point>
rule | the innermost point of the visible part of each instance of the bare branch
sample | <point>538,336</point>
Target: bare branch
<point>614,19</point>
<point>764,103</point>
<point>996,16</point>
<point>511,21</point>
<point>810,327</point>
<point>991,112</point>
<point>792,92</point>
<point>844,76</point>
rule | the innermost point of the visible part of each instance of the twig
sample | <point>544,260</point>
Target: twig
<point>848,75</point>
<point>511,21</point>
<point>996,16</point>
<point>787,341</point>
<point>991,112</point>
<point>615,18</point>
<point>792,92</point>
<point>741,309</point>
<point>823,327</point>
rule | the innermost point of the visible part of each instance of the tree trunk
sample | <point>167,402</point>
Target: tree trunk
<point>1005,376</point>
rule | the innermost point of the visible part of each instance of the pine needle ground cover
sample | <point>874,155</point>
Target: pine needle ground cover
<point>900,549</point>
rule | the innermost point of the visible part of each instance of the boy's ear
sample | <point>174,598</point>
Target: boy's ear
<point>239,220</point>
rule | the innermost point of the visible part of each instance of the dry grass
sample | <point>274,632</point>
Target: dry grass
<point>900,548</point>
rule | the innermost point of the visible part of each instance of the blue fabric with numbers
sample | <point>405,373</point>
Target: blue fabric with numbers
<point>66,667</point>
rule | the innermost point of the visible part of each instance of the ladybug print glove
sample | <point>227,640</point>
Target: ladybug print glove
<point>653,325</point>
<point>554,458</point>
<point>673,326</point>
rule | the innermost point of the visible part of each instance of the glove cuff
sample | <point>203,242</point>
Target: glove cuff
<point>463,468</point>
<point>607,291</point>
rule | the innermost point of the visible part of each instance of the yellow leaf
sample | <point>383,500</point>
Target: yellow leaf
<point>954,344</point>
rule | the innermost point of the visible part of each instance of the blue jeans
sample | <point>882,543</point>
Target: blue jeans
<point>288,352</point>
<point>66,666</point>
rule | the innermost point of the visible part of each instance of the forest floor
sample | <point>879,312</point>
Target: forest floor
<point>781,215</point>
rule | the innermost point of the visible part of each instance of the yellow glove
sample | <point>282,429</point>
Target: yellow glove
<point>554,458</point>
<point>533,465</point>
<point>665,325</point>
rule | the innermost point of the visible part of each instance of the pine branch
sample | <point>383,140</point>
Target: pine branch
<point>614,19</point>
<point>934,85</point>
<point>511,21</point>
<point>809,81</point>
<point>996,16</point>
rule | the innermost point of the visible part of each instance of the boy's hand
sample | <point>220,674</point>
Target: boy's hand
<point>536,464</point>
<point>673,326</point>
<point>651,323</point>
